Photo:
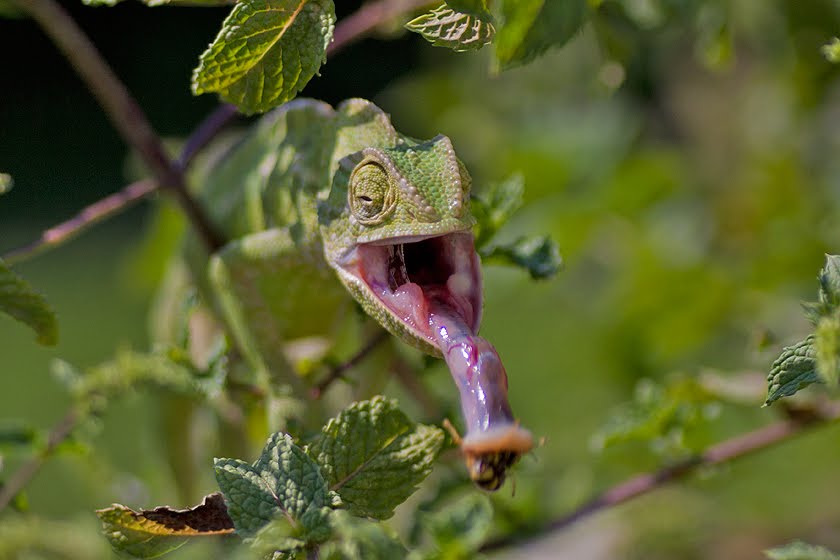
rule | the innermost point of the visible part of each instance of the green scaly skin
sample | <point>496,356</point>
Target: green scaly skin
<point>311,194</point>
<point>291,220</point>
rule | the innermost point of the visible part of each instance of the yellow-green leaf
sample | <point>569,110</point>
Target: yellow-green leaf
<point>266,52</point>
<point>152,533</point>
<point>459,31</point>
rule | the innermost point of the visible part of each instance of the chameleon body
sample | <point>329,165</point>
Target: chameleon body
<point>339,192</point>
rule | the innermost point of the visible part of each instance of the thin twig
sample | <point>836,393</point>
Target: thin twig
<point>724,452</point>
<point>348,31</point>
<point>120,107</point>
<point>24,474</point>
<point>337,371</point>
<point>370,16</point>
<point>89,216</point>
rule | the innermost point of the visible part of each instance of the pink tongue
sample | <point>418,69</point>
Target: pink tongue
<point>476,368</point>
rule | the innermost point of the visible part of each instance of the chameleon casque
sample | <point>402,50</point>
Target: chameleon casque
<point>339,192</point>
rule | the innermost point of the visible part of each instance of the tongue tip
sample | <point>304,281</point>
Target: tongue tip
<point>508,437</point>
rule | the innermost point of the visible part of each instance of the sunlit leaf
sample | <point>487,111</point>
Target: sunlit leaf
<point>152,533</point>
<point>793,370</point>
<point>459,31</point>
<point>285,482</point>
<point>374,456</point>
<point>18,299</point>
<point>266,52</point>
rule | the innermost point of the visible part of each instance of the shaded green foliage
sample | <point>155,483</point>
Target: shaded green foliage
<point>800,551</point>
<point>19,300</point>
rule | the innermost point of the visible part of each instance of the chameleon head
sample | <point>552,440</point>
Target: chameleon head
<point>397,229</point>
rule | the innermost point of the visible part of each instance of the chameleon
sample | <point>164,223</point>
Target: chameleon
<point>339,194</point>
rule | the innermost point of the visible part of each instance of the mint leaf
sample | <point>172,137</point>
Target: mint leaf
<point>276,537</point>
<point>459,31</point>
<point>539,255</point>
<point>828,297</point>
<point>152,533</point>
<point>266,52</point>
<point>494,206</point>
<point>798,550</point>
<point>792,371</point>
<point>374,457</point>
<point>660,414</point>
<point>6,181</point>
<point>460,529</point>
<point>831,51</point>
<point>285,482</point>
<point>357,539</point>
<point>532,26</point>
<point>827,349</point>
<point>20,301</point>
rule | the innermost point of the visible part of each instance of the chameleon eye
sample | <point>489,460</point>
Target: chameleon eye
<point>371,195</point>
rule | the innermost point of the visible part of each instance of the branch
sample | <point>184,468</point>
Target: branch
<point>115,203</point>
<point>370,16</point>
<point>724,452</point>
<point>349,30</point>
<point>123,111</point>
<point>337,371</point>
<point>24,474</point>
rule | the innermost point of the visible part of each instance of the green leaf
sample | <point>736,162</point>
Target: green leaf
<point>445,27</point>
<point>831,51</point>
<point>827,349</point>
<point>374,456</point>
<point>828,297</point>
<point>798,550</point>
<point>9,10</point>
<point>494,206</point>
<point>152,533</point>
<point>792,371</point>
<point>539,255</point>
<point>459,530</point>
<point>20,301</point>
<point>531,27</point>
<point>266,52</point>
<point>285,482</point>
<point>14,434</point>
<point>6,181</point>
<point>275,536</point>
<point>129,370</point>
<point>660,414</point>
<point>357,539</point>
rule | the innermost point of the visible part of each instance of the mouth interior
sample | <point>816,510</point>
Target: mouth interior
<point>411,278</point>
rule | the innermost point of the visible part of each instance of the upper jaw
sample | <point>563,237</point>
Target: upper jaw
<point>406,273</point>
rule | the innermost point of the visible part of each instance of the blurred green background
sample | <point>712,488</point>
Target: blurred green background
<point>684,155</point>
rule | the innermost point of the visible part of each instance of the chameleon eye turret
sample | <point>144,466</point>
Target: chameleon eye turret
<point>372,195</point>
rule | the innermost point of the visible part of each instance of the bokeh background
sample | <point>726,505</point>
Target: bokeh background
<point>684,155</point>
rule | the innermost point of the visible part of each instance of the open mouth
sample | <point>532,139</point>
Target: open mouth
<point>411,275</point>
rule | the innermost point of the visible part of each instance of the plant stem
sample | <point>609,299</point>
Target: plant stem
<point>370,16</point>
<point>24,474</point>
<point>123,111</point>
<point>349,30</point>
<point>724,452</point>
<point>337,371</point>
